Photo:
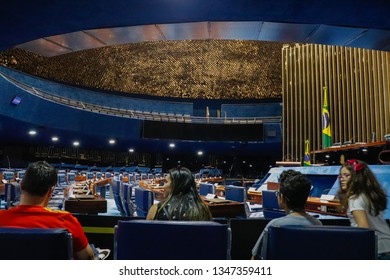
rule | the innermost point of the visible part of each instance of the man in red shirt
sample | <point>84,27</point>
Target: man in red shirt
<point>36,190</point>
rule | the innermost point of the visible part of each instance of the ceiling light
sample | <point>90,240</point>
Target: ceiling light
<point>131,150</point>
<point>172,145</point>
<point>32,132</point>
<point>112,141</point>
<point>200,153</point>
<point>76,143</point>
<point>54,139</point>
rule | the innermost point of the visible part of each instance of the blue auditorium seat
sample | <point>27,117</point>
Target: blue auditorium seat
<point>235,193</point>
<point>115,186</point>
<point>8,175</point>
<point>71,177</point>
<point>143,200</point>
<point>35,244</point>
<point>11,194</point>
<point>20,174</point>
<point>171,240</point>
<point>206,188</point>
<point>320,243</point>
<point>90,175</point>
<point>271,208</point>
<point>61,180</point>
<point>126,191</point>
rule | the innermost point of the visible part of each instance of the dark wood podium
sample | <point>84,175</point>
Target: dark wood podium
<point>86,206</point>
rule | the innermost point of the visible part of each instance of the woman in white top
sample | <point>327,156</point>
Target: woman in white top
<point>365,201</point>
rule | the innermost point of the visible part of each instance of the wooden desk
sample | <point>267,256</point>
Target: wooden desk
<point>255,197</point>
<point>86,206</point>
<point>314,204</point>
<point>350,147</point>
<point>229,209</point>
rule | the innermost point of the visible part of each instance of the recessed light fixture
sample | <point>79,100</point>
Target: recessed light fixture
<point>200,153</point>
<point>112,141</point>
<point>76,143</point>
<point>131,150</point>
<point>172,145</point>
<point>32,132</point>
<point>54,139</point>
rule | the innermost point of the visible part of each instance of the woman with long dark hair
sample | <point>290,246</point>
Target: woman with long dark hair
<point>365,201</point>
<point>183,201</point>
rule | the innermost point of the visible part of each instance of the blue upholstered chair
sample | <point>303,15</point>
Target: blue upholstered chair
<point>235,193</point>
<point>206,188</point>
<point>143,200</point>
<point>70,178</point>
<point>271,208</point>
<point>35,244</point>
<point>115,187</point>
<point>171,240</point>
<point>320,243</point>
<point>126,195</point>
<point>8,175</point>
<point>11,194</point>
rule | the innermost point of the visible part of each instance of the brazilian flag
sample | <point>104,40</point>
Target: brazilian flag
<point>326,133</point>
<point>306,157</point>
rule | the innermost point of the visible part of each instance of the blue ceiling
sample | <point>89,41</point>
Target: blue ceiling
<point>57,26</point>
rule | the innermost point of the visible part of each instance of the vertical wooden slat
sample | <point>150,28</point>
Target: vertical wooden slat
<point>358,94</point>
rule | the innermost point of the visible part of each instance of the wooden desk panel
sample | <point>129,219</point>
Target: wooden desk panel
<point>226,209</point>
<point>86,206</point>
<point>314,204</point>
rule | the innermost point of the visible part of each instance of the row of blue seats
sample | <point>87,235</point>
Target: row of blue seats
<point>136,240</point>
<point>131,199</point>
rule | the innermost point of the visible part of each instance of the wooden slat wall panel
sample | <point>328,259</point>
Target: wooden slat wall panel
<point>358,95</point>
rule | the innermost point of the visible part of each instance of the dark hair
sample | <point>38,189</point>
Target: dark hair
<point>295,188</point>
<point>183,201</point>
<point>363,181</point>
<point>39,178</point>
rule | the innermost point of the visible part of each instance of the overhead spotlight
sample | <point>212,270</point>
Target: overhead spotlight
<point>200,153</point>
<point>112,141</point>
<point>54,139</point>
<point>364,150</point>
<point>243,161</point>
<point>172,145</point>
<point>76,143</point>
<point>327,156</point>
<point>32,132</point>
<point>131,150</point>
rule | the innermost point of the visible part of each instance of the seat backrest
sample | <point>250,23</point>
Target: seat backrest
<point>35,244</point>
<point>70,177</point>
<point>171,240</point>
<point>115,187</point>
<point>206,188</point>
<point>8,175</point>
<point>143,200</point>
<point>270,199</point>
<point>320,243</point>
<point>271,208</point>
<point>235,193</point>
<point>11,194</point>
<point>245,233</point>
<point>126,191</point>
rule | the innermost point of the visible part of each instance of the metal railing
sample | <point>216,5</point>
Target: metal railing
<point>135,114</point>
